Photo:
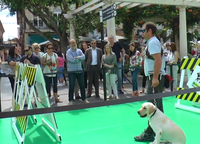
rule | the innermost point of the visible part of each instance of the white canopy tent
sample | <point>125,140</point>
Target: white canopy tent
<point>182,4</point>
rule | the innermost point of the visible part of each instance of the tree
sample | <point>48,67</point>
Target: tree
<point>137,15</point>
<point>43,9</point>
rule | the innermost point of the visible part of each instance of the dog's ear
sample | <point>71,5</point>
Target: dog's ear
<point>151,109</point>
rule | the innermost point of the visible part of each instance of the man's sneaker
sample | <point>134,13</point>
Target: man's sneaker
<point>86,101</point>
<point>144,137</point>
<point>70,102</point>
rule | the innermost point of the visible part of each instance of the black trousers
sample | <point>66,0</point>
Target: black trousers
<point>93,79</point>
<point>12,82</point>
<point>72,79</point>
<point>85,79</point>
<point>157,102</point>
<point>144,79</point>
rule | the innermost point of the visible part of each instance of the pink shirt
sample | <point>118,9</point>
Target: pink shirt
<point>61,62</point>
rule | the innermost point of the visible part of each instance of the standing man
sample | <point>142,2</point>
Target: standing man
<point>154,64</point>
<point>74,67</point>
<point>119,52</point>
<point>29,58</point>
<point>93,64</point>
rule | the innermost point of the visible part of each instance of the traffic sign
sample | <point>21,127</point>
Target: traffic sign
<point>109,12</point>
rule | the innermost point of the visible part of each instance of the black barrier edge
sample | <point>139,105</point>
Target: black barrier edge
<point>94,104</point>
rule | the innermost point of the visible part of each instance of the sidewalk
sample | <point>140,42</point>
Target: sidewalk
<point>6,94</point>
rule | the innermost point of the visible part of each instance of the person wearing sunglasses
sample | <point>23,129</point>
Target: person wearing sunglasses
<point>29,58</point>
<point>154,64</point>
<point>50,63</point>
<point>37,50</point>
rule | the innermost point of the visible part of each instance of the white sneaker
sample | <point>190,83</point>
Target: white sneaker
<point>109,97</point>
<point>71,103</point>
<point>86,101</point>
<point>59,84</point>
<point>116,97</point>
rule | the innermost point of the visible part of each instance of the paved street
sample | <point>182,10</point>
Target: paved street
<point>6,94</point>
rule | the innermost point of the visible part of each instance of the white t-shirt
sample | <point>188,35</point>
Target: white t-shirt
<point>94,56</point>
<point>171,56</point>
<point>51,68</point>
<point>166,54</point>
<point>154,46</point>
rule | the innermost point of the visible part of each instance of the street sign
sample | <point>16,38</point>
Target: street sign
<point>109,12</point>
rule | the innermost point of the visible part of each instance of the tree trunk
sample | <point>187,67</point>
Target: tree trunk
<point>63,44</point>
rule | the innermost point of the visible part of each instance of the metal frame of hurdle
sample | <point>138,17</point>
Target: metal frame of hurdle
<point>30,84</point>
<point>188,64</point>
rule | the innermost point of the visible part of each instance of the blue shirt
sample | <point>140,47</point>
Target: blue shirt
<point>74,64</point>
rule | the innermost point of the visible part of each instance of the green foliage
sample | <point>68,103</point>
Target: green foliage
<point>137,15</point>
<point>85,23</point>
<point>43,9</point>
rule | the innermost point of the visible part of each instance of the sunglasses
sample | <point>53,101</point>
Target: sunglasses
<point>26,50</point>
<point>143,30</point>
<point>50,48</point>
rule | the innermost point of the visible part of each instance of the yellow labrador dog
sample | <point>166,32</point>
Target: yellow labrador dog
<point>163,127</point>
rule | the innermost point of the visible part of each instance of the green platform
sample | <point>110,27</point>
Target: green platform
<point>104,125</point>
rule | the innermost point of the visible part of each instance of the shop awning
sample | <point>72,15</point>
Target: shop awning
<point>37,39</point>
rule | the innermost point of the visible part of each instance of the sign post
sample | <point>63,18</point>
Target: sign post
<point>109,12</point>
<point>106,14</point>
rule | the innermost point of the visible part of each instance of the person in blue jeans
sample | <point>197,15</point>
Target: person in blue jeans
<point>135,66</point>
<point>74,67</point>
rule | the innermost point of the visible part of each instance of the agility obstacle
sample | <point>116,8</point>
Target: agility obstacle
<point>189,65</point>
<point>30,85</point>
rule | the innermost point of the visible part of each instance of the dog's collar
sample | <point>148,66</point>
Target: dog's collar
<point>153,113</point>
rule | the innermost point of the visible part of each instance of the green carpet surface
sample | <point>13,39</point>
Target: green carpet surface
<point>116,124</point>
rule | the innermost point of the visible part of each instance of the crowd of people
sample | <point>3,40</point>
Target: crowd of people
<point>84,66</point>
<point>91,59</point>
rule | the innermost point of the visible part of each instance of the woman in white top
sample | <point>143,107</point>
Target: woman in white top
<point>173,59</point>
<point>50,63</point>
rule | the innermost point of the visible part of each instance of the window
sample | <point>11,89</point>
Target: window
<point>58,17</point>
<point>37,22</point>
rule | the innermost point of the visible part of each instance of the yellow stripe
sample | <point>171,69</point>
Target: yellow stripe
<point>178,96</point>
<point>190,63</point>
<point>33,76</point>
<point>197,63</point>
<point>190,96</point>
<point>28,74</point>
<point>24,74</point>
<point>23,123</point>
<point>184,63</point>
<point>184,96</point>
<point>195,97</point>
